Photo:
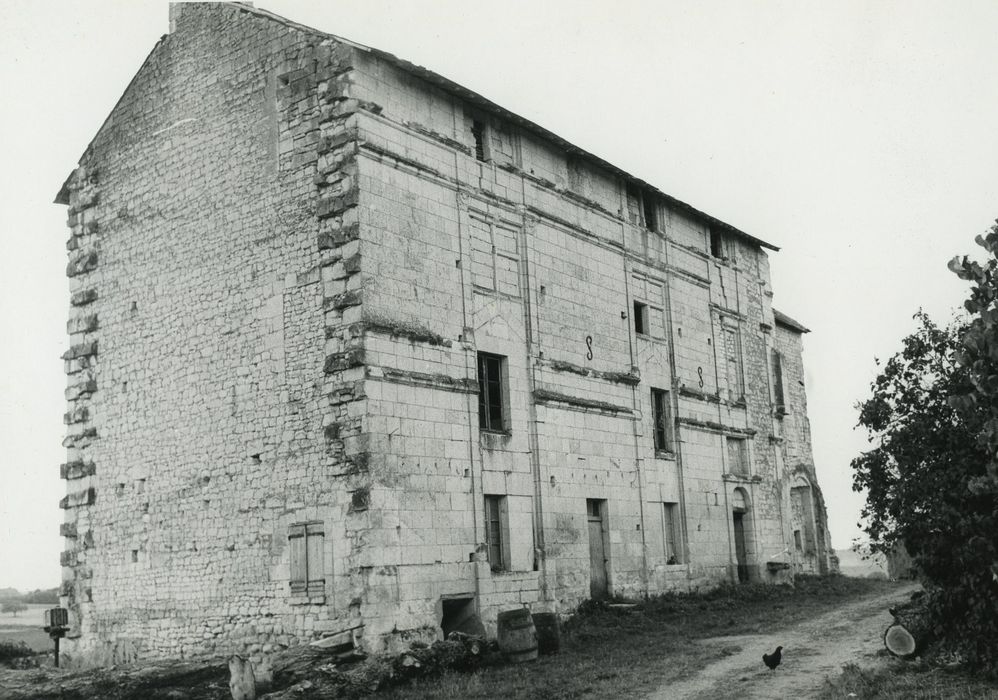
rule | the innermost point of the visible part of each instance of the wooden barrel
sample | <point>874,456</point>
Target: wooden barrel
<point>517,635</point>
<point>548,632</point>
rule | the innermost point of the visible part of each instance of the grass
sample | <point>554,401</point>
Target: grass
<point>611,653</point>
<point>35,638</point>
<point>907,681</point>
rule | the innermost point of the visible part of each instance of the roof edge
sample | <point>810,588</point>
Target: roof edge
<point>464,93</point>
<point>781,319</point>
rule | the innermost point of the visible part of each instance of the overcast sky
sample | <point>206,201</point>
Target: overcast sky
<point>860,137</point>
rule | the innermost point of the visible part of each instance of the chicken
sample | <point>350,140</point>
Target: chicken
<point>773,660</point>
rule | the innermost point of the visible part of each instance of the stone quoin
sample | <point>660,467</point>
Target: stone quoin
<point>355,351</point>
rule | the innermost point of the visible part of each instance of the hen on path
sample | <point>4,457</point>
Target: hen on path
<point>773,660</point>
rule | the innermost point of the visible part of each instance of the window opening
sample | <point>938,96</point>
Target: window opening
<point>670,522</point>
<point>651,218</point>
<point>495,532</point>
<point>738,456</point>
<point>640,318</point>
<point>660,414</point>
<point>491,397</point>
<point>778,382</point>
<point>716,248</point>
<point>478,131</point>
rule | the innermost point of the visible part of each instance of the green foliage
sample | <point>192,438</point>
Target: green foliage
<point>931,477</point>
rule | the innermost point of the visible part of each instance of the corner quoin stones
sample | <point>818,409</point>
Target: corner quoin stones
<point>287,256</point>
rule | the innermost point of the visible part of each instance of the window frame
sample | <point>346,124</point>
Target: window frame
<point>779,388</point>
<point>642,320</point>
<point>661,412</point>
<point>480,136</point>
<point>306,562</point>
<point>716,244</point>
<point>671,533</point>
<point>497,532</point>
<point>734,367</point>
<point>487,387</point>
<point>744,467</point>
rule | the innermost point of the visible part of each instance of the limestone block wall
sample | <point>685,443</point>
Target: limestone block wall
<point>209,220</point>
<point>531,254</point>
<point>286,255</point>
<point>806,507</point>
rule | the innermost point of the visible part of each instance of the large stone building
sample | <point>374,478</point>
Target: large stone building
<point>356,351</point>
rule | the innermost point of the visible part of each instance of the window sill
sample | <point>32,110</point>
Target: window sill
<point>665,454</point>
<point>489,431</point>
<point>307,600</point>
<point>742,478</point>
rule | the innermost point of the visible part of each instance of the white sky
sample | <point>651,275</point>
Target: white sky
<point>861,137</point>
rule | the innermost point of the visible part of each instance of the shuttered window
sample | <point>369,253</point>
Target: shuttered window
<point>496,532</point>
<point>307,578</point>
<point>670,529</point>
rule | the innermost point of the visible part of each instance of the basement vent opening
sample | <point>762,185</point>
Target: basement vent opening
<point>459,616</point>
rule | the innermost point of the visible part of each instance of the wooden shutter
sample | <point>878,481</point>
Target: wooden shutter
<point>315,538</point>
<point>299,569</point>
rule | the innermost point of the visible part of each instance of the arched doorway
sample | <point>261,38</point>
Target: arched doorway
<point>802,525</point>
<point>740,525</point>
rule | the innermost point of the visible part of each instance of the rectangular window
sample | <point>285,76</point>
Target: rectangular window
<point>307,578</point>
<point>478,132</point>
<point>733,362</point>
<point>738,462</point>
<point>716,244</point>
<point>633,205</point>
<point>496,532</point>
<point>670,533</point>
<point>651,217</point>
<point>491,392</point>
<point>640,318</point>
<point>798,543</point>
<point>778,399</point>
<point>661,414</point>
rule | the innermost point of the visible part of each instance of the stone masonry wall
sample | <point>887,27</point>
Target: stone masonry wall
<point>286,255</point>
<point>210,218</point>
<point>509,256</point>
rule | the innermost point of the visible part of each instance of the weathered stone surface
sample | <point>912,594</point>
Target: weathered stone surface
<point>87,349</point>
<point>312,276</point>
<point>77,469</point>
<point>81,264</point>
<point>83,297</point>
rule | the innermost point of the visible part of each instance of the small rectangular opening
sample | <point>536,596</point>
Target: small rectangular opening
<point>459,616</point>
<point>478,131</point>
<point>651,217</point>
<point>716,247</point>
<point>663,424</point>
<point>640,318</point>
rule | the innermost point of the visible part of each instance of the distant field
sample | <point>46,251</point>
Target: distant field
<point>26,627</point>
<point>32,617</point>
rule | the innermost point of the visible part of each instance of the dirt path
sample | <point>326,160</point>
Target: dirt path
<point>812,651</point>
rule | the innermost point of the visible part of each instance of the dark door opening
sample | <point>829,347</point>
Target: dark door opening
<point>740,558</point>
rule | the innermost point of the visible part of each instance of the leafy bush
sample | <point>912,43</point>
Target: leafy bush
<point>931,477</point>
<point>14,650</point>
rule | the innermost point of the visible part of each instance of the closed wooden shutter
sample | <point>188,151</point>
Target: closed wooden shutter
<point>299,559</point>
